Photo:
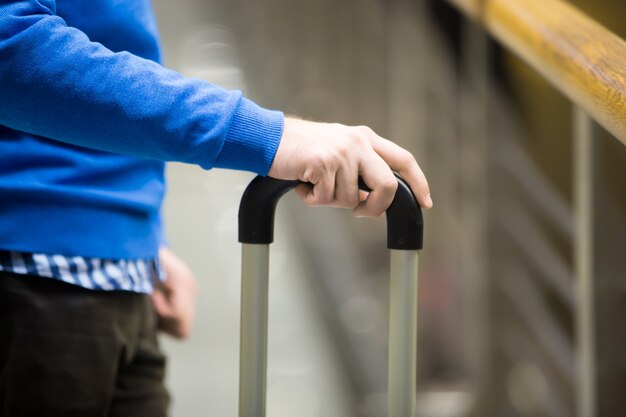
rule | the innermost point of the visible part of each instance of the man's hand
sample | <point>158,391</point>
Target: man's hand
<point>332,156</point>
<point>175,300</point>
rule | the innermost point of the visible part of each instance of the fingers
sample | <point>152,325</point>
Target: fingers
<point>170,319</point>
<point>167,317</point>
<point>337,189</point>
<point>320,193</point>
<point>161,305</point>
<point>401,161</point>
<point>174,299</point>
<point>383,184</point>
<point>347,188</point>
<point>332,156</point>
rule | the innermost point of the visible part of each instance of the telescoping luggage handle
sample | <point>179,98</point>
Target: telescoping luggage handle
<point>405,232</point>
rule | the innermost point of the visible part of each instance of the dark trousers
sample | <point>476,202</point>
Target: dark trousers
<point>66,351</point>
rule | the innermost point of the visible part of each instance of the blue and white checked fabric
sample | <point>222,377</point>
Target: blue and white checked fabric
<point>135,275</point>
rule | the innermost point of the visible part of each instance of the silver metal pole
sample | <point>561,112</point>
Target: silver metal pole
<point>402,333</point>
<point>583,258</point>
<point>253,336</point>
<point>474,174</point>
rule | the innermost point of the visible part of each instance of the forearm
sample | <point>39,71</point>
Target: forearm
<point>58,84</point>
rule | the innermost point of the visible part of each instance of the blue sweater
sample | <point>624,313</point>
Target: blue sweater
<point>88,116</point>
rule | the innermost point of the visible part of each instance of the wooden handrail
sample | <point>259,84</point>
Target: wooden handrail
<point>471,8</point>
<point>580,57</point>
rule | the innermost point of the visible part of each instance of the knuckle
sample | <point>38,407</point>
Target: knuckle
<point>365,212</point>
<point>343,148</point>
<point>310,201</point>
<point>390,185</point>
<point>377,212</point>
<point>348,202</point>
<point>408,159</point>
<point>365,130</point>
<point>353,200</point>
<point>361,134</point>
<point>310,175</point>
<point>357,139</point>
<point>325,200</point>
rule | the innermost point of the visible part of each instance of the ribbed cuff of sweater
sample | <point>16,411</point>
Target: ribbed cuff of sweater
<point>252,139</point>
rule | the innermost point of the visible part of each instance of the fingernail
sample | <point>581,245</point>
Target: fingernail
<point>357,214</point>
<point>429,201</point>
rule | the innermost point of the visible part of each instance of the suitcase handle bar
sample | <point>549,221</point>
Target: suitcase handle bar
<point>405,225</point>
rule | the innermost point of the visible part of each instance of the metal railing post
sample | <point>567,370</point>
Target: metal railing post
<point>584,261</point>
<point>474,179</point>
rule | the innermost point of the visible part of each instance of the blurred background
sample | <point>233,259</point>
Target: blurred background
<point>498,297</point>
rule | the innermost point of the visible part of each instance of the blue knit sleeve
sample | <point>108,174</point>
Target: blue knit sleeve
<point>56,83</point>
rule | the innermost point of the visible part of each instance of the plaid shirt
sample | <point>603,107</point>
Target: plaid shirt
<point>135,275</point>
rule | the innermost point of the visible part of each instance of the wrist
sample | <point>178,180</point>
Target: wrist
<point>252,139</point>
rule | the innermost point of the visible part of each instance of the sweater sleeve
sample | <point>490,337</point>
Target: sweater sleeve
<point>55,82</point>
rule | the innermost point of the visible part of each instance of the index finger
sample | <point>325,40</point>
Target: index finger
<point>403,162</point>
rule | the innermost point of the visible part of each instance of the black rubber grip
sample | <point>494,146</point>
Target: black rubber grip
<point>405,224</point>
